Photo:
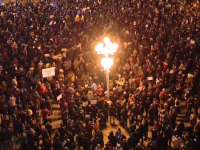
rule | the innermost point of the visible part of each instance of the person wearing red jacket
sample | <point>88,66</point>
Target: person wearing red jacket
<point>45,113</point>
<point>89,129</point>
<point>163,96</point>
<point>137,81</point>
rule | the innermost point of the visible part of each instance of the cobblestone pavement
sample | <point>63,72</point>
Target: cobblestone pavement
<point>113,128</point>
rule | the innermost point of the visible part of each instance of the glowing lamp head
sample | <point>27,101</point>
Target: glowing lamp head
<point>115,46</point>
<point>107,63</point>
<point>106,40</point>
<point>99,47</point>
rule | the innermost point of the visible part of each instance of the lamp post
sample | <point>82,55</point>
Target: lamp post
<point>106,48</point>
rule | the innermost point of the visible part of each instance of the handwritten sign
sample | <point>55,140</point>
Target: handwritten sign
<point>59,97</point>
<point>93,102</point>
<point>171,71</point>
<point>150,78</point>
<point>46,55</point>
<point>48,72</point>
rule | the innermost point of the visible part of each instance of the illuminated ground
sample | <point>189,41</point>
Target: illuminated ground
<point>57,120</point>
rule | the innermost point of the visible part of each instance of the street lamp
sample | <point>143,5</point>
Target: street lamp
<point>106,48</point>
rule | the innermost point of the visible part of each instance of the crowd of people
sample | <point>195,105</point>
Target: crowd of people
<point>156,70</point>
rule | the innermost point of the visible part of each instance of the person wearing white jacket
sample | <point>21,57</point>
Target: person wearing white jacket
<point>176,142</point>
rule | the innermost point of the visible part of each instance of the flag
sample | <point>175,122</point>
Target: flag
<point>82,18</point>
<point>53,4</point>
<point>29,112</point>
<point>77,19</point>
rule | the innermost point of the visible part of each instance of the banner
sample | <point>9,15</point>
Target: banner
<point>48,72</point>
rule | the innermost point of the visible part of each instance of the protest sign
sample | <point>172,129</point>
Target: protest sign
<point>150,78</point>
<point>171,71</point>
<point>46,55</point>
<point>109,102</point>
<point>59,97</point>
<point>48,72</point>
<point>93,102</point>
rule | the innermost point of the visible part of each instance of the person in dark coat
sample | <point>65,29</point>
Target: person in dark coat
<point>38,131</point>
<point>138,147</point>
<point>141,109</point>
<point>132,128</point>
<point>147,105</point>
<point>131,142</point>
<point>8,137</point>
<point>124,116</point>
<point>136,135</point>
<point>61,130</point>
<point>119,112</point>
<point>112,139</point>
<point>141,131</point>
<point>125,145</point>
<point>145,128</point>
<point>168,134</point>
<point>57,145</point>
<point>20,128</point>
<point>47,145</point>
<point>15,126</point>
<point>112,114</point>
<point>48,126</point>
<point>151,114</point>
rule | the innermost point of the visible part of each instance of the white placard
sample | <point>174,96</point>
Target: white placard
<point>109,102</point>
<point>48,72</point>
<point>180,72</point>
<point>134,23</point>
<point>171,71</point>
<point>93,102</point>
<point>46,55</point>
<point>85,104</point>
<point>150,78</point>
<point>59,97</point>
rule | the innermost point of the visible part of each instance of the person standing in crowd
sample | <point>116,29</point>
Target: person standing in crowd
<point>176,142</point>
<point>45,113</point>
